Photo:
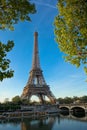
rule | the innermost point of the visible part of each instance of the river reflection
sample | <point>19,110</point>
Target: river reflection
<point>57,122</point>
<point>45,124</point>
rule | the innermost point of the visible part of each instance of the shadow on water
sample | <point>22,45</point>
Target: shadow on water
<point>78,112</point>
<point>75,114</point>
<point>64,111</point>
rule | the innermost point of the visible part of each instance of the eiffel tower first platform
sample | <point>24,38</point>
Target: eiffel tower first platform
<point>36,84</point>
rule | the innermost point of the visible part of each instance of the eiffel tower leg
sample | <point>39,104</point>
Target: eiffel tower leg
<point>28,96</point>
<point>41,97</point>
<point>52,99</point>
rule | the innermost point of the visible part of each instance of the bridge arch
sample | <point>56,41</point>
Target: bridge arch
<point>72,107</point>
<point>64,110</point>
<point>78,108</point>
<point>78,111</point>
<point>64,107</point>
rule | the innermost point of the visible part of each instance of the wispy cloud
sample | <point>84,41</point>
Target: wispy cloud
<point>76,76</point>
<point>43,4</point>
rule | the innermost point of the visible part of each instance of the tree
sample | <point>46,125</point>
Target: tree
<point>60,100</point>
<point>11,12</point>
<point>66,100</point>
<point>4,62</point>
<point>71,31</point>
<point>76,99</point>
<point>16,99</point>
<point>83,99</point>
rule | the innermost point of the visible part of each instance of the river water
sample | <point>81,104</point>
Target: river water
<point>58,122</point>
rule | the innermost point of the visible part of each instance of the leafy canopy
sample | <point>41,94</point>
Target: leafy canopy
<point>4,62</point>
<point>16,99</point>
<point>11,12</point>
<point>71,31</point>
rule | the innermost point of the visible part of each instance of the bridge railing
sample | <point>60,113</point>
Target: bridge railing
<point>74,104</point>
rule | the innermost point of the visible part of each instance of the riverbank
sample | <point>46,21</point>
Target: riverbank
<point>30,112</point>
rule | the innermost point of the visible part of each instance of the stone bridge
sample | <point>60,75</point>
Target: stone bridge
<point>70,107</point>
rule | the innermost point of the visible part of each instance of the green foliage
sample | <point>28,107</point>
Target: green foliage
<point>71,31</point>
<point>11,12</point>
<point>68,100</point>
<point>4,107</point>
<point>16,99</point>
<point>5,72</point>
<point>84,99</point>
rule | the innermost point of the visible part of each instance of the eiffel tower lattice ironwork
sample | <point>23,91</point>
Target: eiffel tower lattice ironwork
<point>36,84</point>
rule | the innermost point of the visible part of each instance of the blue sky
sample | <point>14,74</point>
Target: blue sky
<point>63,78</point>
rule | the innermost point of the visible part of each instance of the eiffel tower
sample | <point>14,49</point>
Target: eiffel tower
<point>36,84</point>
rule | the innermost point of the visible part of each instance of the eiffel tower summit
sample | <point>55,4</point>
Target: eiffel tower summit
<point>36,84</point>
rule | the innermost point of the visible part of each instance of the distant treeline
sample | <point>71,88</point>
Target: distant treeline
<point>16,102</point>
<point>75,99</point>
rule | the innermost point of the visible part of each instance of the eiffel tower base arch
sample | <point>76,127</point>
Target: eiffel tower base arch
<point>40,92</point>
